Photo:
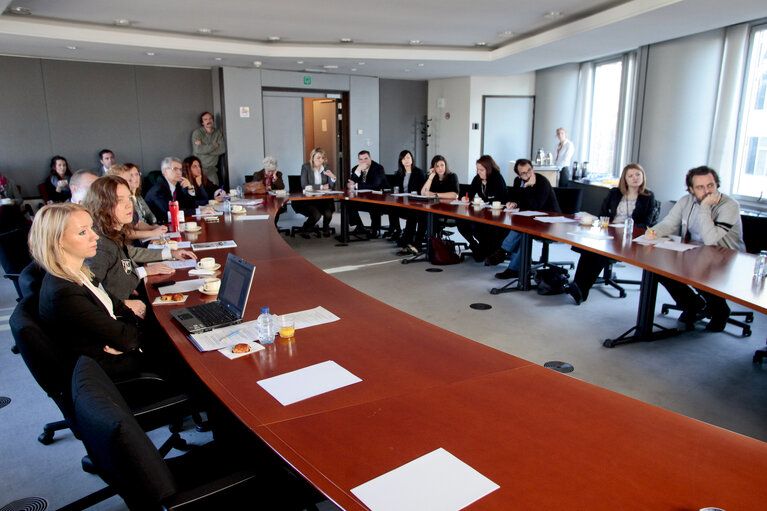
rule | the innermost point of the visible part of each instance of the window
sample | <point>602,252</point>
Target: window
<point>751,153</point>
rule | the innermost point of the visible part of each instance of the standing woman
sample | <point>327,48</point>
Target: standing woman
<point>410,179</point>
<point>630,199</point>
<point>57,184</point>
<point>441,182</point>
<point>83,316</point>
<point>490,186</point>
<point>204,189</point>
<point>317,174</point>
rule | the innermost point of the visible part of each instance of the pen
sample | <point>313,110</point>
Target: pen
<point>230,336</point>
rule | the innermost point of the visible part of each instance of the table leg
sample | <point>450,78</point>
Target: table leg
<point>525,263</point>
<point>344,236</point>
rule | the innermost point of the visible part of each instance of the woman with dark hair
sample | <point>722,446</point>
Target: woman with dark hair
<point>191,169</point>
<point>490,186</point>
<point>114,264</point>
<point>138,229</point>
<point>409,179</point>
<point>445,186</point>
<point>57,184</point>
<point>630,199</point>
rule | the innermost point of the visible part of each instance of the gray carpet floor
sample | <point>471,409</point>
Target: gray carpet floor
<point>709,377</point>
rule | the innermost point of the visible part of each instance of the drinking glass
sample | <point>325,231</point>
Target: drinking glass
<point>287,326</point>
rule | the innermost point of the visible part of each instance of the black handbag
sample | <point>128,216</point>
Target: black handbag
<point>443,251</point>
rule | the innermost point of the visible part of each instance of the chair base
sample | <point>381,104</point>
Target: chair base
<point>743,325</point>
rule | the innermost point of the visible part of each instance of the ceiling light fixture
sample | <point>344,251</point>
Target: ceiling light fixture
<point>257,63</point>
<point>299,62</point>
<point>218,59</point>
<point>150,53</point>
<point>21,11</point>
<point>354,69</point>
<point>122,22</point>
<point>415,42</point>
<point>360,63</point>
<point>330,66</point>
<point>346,40</point>
<point>407,70</point>
<point>481,43</point>
<point>71,47</point>
<point>273,38</point>
<point>553,14</point>
<point>505,33</point>
<point>421,64</point>
<point>205,31</point>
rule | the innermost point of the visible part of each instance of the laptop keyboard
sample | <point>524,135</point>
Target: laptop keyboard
<point>211,314</point>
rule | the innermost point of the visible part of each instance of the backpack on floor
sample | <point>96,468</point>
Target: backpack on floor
<point>552,280</point>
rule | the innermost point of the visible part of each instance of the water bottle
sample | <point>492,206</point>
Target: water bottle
<point>227,206</point>
<point>628,227</point>
<point>760,267</point>
<point>265,326</point>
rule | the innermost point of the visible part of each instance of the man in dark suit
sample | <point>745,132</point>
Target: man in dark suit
<point>172,187</point>
<point>367,175</point>
<point>106,160</point>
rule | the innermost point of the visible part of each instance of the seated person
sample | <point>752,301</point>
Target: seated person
<point>316,174</point>
<point>204,190</point>
<point>137,230</point>
<point>173,187</point>
<point>143,218</point>
<point>9,189</point>
<point>629,199</point>
<point>80,183</point>
<point>440,182</point>
<point>266,179</point>
<point>490,186</point>
<point>531,191</point>
<point>707,216</point>
<point>57,184</point>
<point>409,179</point>
<point>81,316</point>
<point>114,263</point>
<point>366,175</point>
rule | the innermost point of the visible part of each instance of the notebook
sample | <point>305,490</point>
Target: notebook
<point>230,306</point>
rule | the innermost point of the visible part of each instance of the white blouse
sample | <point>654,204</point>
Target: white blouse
<point>99,293</point>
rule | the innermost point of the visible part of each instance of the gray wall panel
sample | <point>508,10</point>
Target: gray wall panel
<point>403,106</point>
<point>555,97</point>
<point>363,120</point>
<point>245,135</point>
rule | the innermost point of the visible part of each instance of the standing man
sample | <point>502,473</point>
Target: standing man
<point>565,150</point>
<point>174,187</point>
<point>367,175</point>
<point>106,160</point>
<point>208,144</point>
<point>709,217</point>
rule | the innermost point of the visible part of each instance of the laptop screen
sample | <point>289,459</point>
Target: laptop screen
<point>235,284</point>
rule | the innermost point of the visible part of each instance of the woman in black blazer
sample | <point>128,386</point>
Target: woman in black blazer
<point>409,179</point>
<point>57,184</point>
<point>84,318</point>
<point>630,198</point>
<point>316,174</point>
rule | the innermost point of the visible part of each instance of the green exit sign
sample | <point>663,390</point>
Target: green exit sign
<point>307,80</point>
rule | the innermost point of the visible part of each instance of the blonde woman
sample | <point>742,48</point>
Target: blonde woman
<point>317,174</point>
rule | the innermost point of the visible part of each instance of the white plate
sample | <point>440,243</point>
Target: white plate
<point>189,229</point>
<point>214,268</point>
<point>209,293</point>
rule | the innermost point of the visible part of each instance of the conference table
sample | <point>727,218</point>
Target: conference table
<point>548,440</point>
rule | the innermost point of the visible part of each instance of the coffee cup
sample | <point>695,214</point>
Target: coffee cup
<point>477,199</point>
<point>207,263</point>
<point>190,226</point>
<point>212,202</point>
<point>280,193</point>
<point>212,285</point>
<point>233,192</point>
<point>308,188</point>
<point>496,204</point>
<point>237,208</point>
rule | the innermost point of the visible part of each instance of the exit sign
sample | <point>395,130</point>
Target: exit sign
<point>307,80</point>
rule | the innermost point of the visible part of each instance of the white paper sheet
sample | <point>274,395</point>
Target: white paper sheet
<point>167,235</point>
<point>185,286</point>
<point>507,210</point>
<point>248,202</point>
<point>177,265</point>
<point>254,348</point>
<point>308,382</point>
<point>555,219</point>
<point>181,244</point>
<point>312,317</point>
<point>405,194</point>
<point>594,235</point>
<point>223,337</point>
<point>644,241</point>
<point>455,202</point>
<point>675,246</point>
<point>529,213</point>
<point>437,480</point>
<point>251,217</point>
<point>362,191</point>
<point>212,245</point>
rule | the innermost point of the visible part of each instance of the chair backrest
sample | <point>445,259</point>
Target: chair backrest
<point>14,251</point>
<point>654,216</point>
<point>463,189</point>
<point>149,181</point>
<point>43,192</point>
<point>569,199</point>
<point>50,366</point>
<point>119,448</point>
<point>30,279</point>
<point>294,184</point>
<point>754,228</point>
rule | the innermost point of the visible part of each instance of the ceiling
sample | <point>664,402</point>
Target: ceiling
<point>397,39</point>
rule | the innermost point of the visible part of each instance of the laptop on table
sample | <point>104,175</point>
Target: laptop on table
<point>230,306</point>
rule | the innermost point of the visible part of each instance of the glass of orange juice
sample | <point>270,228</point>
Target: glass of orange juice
<point>287,326</point>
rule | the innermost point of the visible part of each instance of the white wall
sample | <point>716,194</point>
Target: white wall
<point>449,137</point>
<point>244,135</point>
<point>363,118</point>
<point>555,90</point>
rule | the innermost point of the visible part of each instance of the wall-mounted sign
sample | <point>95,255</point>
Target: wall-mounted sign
<point>244,111</point>
<point>307,80</point>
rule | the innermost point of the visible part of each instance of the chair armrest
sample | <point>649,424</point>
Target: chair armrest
<point>215,494</point>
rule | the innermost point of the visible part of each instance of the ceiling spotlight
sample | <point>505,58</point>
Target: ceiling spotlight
<point>415,42</point>
<point>407,70</point>
<point>505,33</point>
<point>552,14</point>
<point>204,31</point>
<point>360,63</point>
<point>481,43</point>
<point>299,62</point>
<point>346,40</point>
<point>273,38</point>
<point>354,69</point>
<point>71,47</point>
<point>330,66</point>
<point>218,59</point>
<point>257,63</point>
<point>122,22</point>
<point>421,64</point>
<point>150,53</point>
<point>22,11</point>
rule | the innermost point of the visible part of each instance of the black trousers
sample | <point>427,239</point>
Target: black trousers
<point>686,298</point>
<point>590,265</point>
<point>374,211</point>
<point>313,210</point>
<point>483,239</point>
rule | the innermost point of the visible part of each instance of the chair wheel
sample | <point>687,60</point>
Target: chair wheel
<point>746,332</point>
<point>404,261</point>
<point>494,291</point>
<point>88,465</point>
<point>664,309</point>
<point>623,295</point>
<point>609,343</point>
<point>46,438</point>
<point>749,319</point>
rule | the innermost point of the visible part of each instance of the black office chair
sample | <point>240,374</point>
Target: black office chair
<point>14,255</point>
<point>149,181</point>
<point>206,478</point>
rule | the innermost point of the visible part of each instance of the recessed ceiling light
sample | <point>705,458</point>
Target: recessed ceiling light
<point>273,38</point>
<point>71,47</point>
<point>421,64</point>
<point>346,40</point>
<point>150,53</point>
<point>505,33</point>
<point>257,63</point>
<point>205,31</point>
<point>23,11</point>
<point>330,66</point>
<point>553,14</point>
<point>360,63</point>
<point>415,42</point>
<point>407,70</point>
<point>218,59</point>
<point>299,62</point>
<point>122,22</point>
<point>481,43</point>
<point>354,69</point>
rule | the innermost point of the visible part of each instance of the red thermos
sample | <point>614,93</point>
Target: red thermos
<point>174,224</point>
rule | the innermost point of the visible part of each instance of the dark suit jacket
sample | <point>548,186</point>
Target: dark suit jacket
<point>307,177</point>
<point>494,190</point>
<point>417,179</point>
<point>539,197</point>
<point>76,319</point>
<point>643,210</point>
<point>158,197</point>
<point>375,179</point>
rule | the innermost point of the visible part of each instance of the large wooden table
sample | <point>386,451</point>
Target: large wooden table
<point>550,441</point>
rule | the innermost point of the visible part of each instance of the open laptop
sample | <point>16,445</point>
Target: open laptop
<point>232,299</point>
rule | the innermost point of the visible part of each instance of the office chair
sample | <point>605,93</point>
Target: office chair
<point>154,401</point>
<point>208,477</point>
<point>14,255</point>
<point>149,181</point>
<point>43,193</point>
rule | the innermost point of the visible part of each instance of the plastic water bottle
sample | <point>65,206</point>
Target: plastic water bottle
<point>265,326</point>
<point>760,267</point>
<point>227,206</point>
<point>628,228</point>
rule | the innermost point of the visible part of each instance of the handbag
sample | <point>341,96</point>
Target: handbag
<point>443,251</point>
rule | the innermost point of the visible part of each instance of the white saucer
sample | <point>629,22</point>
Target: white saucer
<point>188,229</point>
<point>499,207</point>
<point>209,293</point>
<point>214,268</point>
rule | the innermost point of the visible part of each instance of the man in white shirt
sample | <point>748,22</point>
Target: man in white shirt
<point>79,184</point>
